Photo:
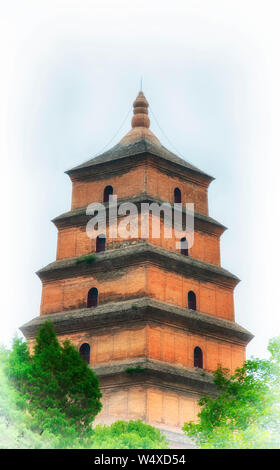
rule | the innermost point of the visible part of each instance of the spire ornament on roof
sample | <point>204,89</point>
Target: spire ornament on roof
<point>140,118</point>
<point>140,122</point>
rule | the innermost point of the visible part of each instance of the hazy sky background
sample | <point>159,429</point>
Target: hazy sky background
<point>70,71</point>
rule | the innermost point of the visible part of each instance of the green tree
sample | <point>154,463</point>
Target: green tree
<point>246,412</point>
<point>57,386</point>
<point>15,421</point>
<point>50,398</point>
<point>128,435</point>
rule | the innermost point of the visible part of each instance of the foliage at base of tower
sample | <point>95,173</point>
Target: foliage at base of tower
<point>49,399</point>
<point>18,428</point>
<point>15,424</point>
<point>128,435</point>
<point>246,413</point>
<point>57,387</point>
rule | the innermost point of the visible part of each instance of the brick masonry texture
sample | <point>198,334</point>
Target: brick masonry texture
<point>141,179</point>
<point>74,241</point>
<point>161,343</point>
<point>154,405</point>
<point>151,281</point>
<point>160,337</point>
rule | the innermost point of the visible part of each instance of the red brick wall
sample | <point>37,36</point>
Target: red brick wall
<point>153,405</point>
<point>156,405</point>
<point>162,185</point>
<point>128,184</point>
<point>74,241</point>
<point>176,347</point>
<point>162,343</point>
<point>69,294</point>
<point>141,179</point>
<point>172,288</point>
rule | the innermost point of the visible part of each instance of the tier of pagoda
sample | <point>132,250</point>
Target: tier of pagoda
<point>153,319</point>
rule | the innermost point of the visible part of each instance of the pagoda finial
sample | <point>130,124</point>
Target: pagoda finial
<point>140,118</point>
<point>140,122</point>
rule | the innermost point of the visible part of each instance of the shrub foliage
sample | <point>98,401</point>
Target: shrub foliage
<point>61,391</point>
<point>246,412</point>
<point>50,398</point>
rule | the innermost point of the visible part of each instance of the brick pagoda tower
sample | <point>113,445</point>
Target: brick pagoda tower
<point>153,320</point>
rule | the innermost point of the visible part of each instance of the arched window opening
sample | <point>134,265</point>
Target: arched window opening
<point>85,352</point>
<point>92,299</point>
<point>184,247</point>
<point>108,191</point>
<point>198,357</point>
<point>177,195</point>
<point>191,300</point>
<point>100,243</point>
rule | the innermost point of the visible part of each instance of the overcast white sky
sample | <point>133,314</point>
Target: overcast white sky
<point>70,71</point>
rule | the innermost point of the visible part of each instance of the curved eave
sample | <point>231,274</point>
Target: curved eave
<point>137,254</point>
<point>145,310</point>
<point>120,154</point>
<point>157,373</point>
<point>78,216</point>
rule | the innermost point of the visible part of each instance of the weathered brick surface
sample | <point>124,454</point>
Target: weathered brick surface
<point>74,241</point>
<point>173,288</point>
<point>169,392</point>
<point>69,294</point>
<point>151,281</point>
<point>142,179</point>
<point>152,405</point>
<point>129,403</point>
<point>162,343</point>
<point>125,185</point>
<point>176,347</point>
<point>162,185</point>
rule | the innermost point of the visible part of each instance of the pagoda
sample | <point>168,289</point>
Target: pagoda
<point>153,318</point>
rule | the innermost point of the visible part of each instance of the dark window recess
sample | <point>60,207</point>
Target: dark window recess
<point>198,357</point>
<point>177,195</point>
<point>191,300</point>
<point>100,243</point>
<point>184,247</point>
<point>92,299</point>
<point>85,352</point>
<point>108,191</point>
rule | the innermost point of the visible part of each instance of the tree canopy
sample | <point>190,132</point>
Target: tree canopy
<point>128,435</point>
<point>50,398</point>
<point>246,412</point>
<point>61,391</point>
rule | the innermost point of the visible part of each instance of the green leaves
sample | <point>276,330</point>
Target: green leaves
<point>89,259</point>
<point>62,393</point>
<point>128,435</point>
<point>52,398</point>
<point>246,412</point>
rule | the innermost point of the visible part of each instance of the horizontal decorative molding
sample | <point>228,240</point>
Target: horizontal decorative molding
<point>78,217</point>
<point>156,373</point>
<point>139,311</point>
<point>121,156</point>
<point>135,255</point>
